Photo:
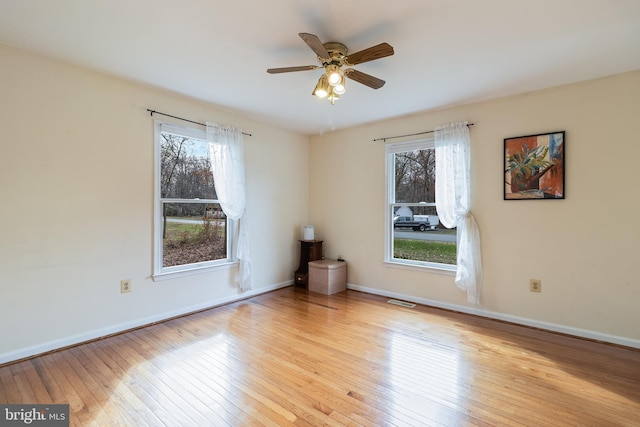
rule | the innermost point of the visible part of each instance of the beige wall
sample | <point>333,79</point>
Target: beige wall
<point>76,174</point>
<point>583,248</point>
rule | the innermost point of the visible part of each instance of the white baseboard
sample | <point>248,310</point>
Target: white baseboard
<point>122,327</point>
<point>582,333</point>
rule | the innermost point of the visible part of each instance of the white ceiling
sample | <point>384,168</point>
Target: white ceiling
<point>447,52</point>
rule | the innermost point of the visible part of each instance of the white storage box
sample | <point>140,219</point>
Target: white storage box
<point>327,276</point>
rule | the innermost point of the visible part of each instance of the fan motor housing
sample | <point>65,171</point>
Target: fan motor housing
<point>337,52</point>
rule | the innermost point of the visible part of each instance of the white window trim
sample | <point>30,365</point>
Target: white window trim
<point>193,269</point>
<point>447,269</point>
<point>161,273</point>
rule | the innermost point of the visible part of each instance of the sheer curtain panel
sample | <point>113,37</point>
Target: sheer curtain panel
<point>452,142</point>
<point>226,148</point>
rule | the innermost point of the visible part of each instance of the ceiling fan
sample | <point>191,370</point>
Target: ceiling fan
<point>333,57</point>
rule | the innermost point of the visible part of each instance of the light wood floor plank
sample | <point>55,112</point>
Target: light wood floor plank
<point>291,357</point>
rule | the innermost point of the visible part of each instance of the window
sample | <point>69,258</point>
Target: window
<point>191,231</point>
<point>414,235</point>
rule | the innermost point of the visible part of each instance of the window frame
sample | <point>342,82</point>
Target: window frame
<point>159,271</point>
<point>390,151</point>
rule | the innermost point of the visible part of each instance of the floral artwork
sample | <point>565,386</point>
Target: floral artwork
<point>534,167</point>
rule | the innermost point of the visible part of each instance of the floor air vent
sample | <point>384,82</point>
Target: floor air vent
<point>401,303</point>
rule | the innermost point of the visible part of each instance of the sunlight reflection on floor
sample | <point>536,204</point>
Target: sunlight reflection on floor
<point>424,377</point>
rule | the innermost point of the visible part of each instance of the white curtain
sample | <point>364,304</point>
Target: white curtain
<point>453,201</point>
<point>226,148</point>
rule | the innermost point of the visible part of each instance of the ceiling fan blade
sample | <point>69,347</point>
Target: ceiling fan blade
<point>315,44</point>
<point>291,69</point>
<point>365,79</point>
<point>381,50</point>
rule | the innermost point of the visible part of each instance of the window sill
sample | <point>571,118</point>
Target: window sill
<point>424,267</point>
<point>191,271</point>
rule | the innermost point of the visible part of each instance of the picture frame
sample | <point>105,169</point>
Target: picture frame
<point>534,166</point>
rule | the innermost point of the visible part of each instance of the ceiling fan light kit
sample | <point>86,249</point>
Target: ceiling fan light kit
<point>333,57</point>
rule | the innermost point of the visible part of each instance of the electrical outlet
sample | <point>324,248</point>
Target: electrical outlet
<point>125,286</point>
<point>535,285</point>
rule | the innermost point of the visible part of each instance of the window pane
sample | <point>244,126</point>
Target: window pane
<point>415,173</point>
<point>185,168</point>
<point>193,232</point>
<point>418,236</point>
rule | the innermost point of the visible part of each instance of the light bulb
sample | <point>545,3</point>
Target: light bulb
<point>339,88</point>
<point>321,93</point>
<point>334,76</point>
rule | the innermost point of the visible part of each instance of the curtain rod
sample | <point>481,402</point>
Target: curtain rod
<point>152,112</point>
<point>411,134</point>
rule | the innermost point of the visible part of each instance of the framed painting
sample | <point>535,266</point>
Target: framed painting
<point>534,167</point>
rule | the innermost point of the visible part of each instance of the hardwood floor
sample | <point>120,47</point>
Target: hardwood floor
<point>295,358</point>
